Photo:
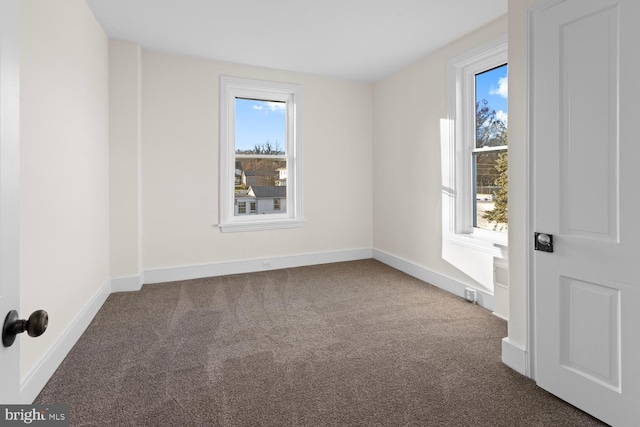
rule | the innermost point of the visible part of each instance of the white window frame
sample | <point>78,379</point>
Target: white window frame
<point>459,144</point>
<point>230,89</point>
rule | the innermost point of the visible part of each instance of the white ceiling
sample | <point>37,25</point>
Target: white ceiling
<point>362,40</point>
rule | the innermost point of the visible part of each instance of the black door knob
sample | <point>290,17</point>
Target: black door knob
<point>35,326</point>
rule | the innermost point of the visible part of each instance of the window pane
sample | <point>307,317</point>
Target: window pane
<point>490,167</point>
<point>491,107</point>
<point>490,190</point>
<point>259,159</point>
<point>262,185</point>
<point>260,127</point>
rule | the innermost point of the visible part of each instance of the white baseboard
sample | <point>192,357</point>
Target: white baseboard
<point>127,284</point>
<point>249,266</point>
<point>448,284</point>
<point>500,316</point>
<point>35,380</point>
<point>514,357</point>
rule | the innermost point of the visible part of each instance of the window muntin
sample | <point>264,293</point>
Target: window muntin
<point>259,154</point>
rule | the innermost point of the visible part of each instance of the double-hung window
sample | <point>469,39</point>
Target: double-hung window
<point>476,148</point>
<point>260,179</point>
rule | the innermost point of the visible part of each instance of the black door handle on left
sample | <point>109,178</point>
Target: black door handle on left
<point>35,326</point>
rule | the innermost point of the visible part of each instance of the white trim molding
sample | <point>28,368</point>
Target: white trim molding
<point>232,89</point>
<point>162,275</point>
<point>37,378</point>
<point>485,299</point>
<point>514,356</point>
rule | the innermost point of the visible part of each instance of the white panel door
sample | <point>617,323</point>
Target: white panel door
<point>585,140</point>
<point>9,189</point>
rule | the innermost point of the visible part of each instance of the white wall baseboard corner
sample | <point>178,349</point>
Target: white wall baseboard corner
<point>249,266</point>
<point>499,316</point>
<point>35,381</point>
<point>448,284</point>
<point>127,284</point>
<point>514,357</point>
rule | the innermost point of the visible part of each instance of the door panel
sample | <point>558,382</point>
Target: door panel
<point>590,41</point>
<point>585,170</point>
<point>590,330</point>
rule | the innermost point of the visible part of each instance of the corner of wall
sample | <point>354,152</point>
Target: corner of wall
<point>125,140</point>
<point>514,356</point>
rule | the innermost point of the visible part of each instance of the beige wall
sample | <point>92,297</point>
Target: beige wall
<point>408,186</point>
<point>180,166</point>
<point>64,165</point>
<point>125,89</point>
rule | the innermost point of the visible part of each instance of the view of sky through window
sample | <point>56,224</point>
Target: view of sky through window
<point>259,122</point>
<point>493,86</point>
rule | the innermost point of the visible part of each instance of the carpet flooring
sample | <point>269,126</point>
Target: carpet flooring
<point>346,344</point>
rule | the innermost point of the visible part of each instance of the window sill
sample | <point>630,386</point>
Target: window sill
<point>496,247</point>
<point>275,224</point>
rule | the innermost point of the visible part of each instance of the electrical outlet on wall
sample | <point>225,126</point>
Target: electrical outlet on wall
<point>471,295</point>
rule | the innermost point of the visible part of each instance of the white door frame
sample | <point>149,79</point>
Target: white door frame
<point>530,198</point>
<point>9,191</point>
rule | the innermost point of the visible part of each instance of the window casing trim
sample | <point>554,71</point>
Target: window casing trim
<point>458,139</point>
<point>235,87</point>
